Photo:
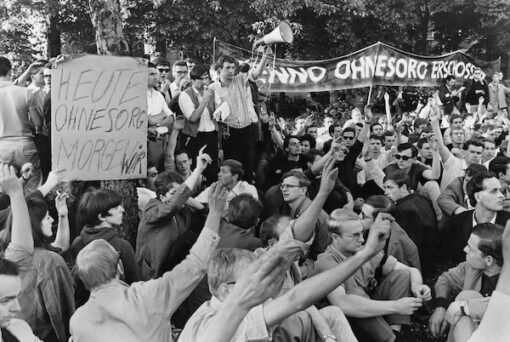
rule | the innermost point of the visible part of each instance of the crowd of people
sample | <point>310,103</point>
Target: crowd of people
<point>257,228</point>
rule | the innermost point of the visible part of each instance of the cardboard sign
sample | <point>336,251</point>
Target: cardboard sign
<point>99,117</point>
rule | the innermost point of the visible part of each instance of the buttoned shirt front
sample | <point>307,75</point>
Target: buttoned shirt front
<point>156,103</point>
<point>187,107</point>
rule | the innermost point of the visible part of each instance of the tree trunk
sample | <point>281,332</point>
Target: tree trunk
<point>54,46</point>
<point>110,40</point>
<point>106,19</point>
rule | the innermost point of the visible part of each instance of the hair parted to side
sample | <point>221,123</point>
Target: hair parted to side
<point>490,243</point>
<point>94,203</point>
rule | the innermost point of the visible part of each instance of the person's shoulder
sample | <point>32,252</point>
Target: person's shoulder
<point>49,257</point>
<point>21,330</point>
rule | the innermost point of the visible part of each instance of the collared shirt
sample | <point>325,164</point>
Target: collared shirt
<point>142,311</point>
<point>174,89</point>
<point>493,220</point>
<point>187,107</point>
<point>359,280</point>
<point>156,103</point>
<point>241,187</point>
<point>453,168</point>
<point>238,96</point>
<point>252,327</point>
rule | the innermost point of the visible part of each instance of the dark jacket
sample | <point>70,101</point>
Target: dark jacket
<point>458,229</point>
<point>127,254</point>
<point>415,214</point>
<point>162,224</point>
<point>453,197</point>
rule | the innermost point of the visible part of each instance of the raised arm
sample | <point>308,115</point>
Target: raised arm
<point>312,289</point>
<point>434,123</point>
<point>261,66</point>
<point>62,238</point>
<point>305,224</point>
<point>21,234</point>
<point>435,171</point>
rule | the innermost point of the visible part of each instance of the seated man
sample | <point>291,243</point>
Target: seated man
<point>414,213</point>
<point>484,191</point>
<point>376,297</point>
<point>142,311</point>
<point>269,318</point>
<point>284,161</point>
<point>500,166</point>
<point>230,176</point>
<point>455,200</point>
<point>166,220</point>
<point>400,245</point>
<point>471,283</point>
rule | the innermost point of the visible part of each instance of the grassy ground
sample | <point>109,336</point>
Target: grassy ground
<point>419,330</point>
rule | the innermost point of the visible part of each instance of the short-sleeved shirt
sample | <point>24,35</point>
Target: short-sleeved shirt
<point>359,280</point>
<point>415,173</point>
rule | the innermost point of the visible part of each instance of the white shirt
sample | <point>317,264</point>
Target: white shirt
<point>494,326</point>
<point>187,108</point>
<point>241,187</point>
<point>453,168</point>
<point>156,103</point>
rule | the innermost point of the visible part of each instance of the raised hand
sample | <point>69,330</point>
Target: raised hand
<point>9,182</point>
<point>61,204</point>
<point>368,112</point>
<point>329,176</point>
<point>217,198</point>
<point>203,159</point>
<point>379,233</point>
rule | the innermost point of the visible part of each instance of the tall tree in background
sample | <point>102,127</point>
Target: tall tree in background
<point>110,40</point>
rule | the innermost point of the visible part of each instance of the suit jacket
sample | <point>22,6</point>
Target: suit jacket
<point>457,230</point>
<point>453,197</point>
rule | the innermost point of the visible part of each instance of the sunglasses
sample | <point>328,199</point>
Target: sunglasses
<point>348,138</point>
<point>404,158</point>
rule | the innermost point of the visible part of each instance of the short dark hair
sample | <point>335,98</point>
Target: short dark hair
<point>474,168</point>
<point>376,137</point>
<point>180,63</point>
<point>381,204</point>
<point>244,211</point>
<point>8,267</point>
<point>310,139</point>
<point>499,164</point>
<point>309,157</point>
<point>421,142</point>
<point>454,116</point>
<point>332,127</point>
<point>311,126</point>
<point>226,59</point>
<point>349,129</point>
<point>491,236</point>
<point>286,141</point>
<point>5,66</point>
<point>94,203</point>
<point>164,180</point>
<point>181,151</point>
<point>151,65</point>
<point>388,134</point>
<point>408,146</point>
<point>449,78</point>
<point>475,184</point>
<point>419,122</point>
<point>236,168</point>
<point>198,71</point>
<point>162,62</point>
<point>399,177</point>
<point>473,142</point>
<point>373,125</point>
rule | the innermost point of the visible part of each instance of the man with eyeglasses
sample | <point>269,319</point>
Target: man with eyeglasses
<point>200,129</point>
<point>179,72</point>
<point>377,297</point>
<point>163,67</point>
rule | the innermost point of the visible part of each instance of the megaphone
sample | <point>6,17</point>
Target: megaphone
<point>281,34</point>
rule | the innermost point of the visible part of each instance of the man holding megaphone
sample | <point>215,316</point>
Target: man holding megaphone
<point>236,110</point>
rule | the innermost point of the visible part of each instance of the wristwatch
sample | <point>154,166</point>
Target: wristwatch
<point>331,337</point>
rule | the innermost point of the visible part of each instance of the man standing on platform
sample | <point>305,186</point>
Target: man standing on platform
<point>234,89</point>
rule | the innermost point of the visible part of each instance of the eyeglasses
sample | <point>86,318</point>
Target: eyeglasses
<point>348,138</point>
<point>47,76</point>
<point>404,158</point>
<point>290,186</point>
